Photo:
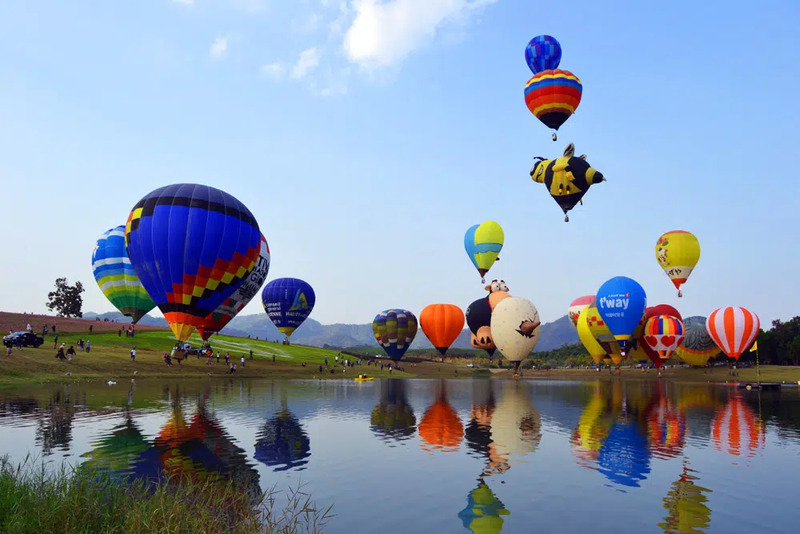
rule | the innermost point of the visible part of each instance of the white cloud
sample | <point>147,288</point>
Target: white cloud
<point>219,48</point>
<point>306,62</point>
<point>274,70</point>
<point>385,33</point>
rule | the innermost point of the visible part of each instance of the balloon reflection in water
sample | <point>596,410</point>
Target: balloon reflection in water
<point>440,428</point>
<point>393,418</point>
<point>687,512</point>
<point>609,439</point>
<point>282,443</point>
<point>516,424</point>
<point>478,433</point>
<point>483,511</point>
<point>666,426</point>
<point>115,454</point>
<point>737,430</point>
<point>199,451</point>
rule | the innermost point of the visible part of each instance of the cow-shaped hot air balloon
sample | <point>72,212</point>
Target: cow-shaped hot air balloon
<point>567,178</point>
<point>479,316</point>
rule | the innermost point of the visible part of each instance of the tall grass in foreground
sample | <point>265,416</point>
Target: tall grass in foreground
<point>79,501</point>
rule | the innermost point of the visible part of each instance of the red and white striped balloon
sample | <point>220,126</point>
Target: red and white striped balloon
<point>733,329</point>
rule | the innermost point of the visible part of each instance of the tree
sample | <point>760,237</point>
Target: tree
<point>66,299</point>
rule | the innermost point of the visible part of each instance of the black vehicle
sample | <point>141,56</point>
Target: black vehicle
<point>26,339</point>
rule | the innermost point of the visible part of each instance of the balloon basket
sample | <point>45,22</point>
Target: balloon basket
<point>555,137</point>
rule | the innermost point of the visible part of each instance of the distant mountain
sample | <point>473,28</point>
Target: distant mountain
<point>311,332</point>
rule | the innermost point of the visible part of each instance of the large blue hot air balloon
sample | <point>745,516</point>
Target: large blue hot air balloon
<point>191,246</point>
<point>543,53</point>
<point>116,277</point>
<point>288,302</point>
<point>621,302</point>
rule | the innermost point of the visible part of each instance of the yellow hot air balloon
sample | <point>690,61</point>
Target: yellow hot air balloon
<point>594,348</point>
<point>678,252</point>
<point>483,243</point>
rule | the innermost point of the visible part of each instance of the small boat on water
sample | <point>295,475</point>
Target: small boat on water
<point>363,378</point>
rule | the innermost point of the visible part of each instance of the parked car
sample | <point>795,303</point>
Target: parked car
<point>27,339</point>
<point>192,351</point>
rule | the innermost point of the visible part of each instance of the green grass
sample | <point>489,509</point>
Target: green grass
<point>82,501</point>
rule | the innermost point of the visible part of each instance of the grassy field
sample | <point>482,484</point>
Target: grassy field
<point>109,359</point>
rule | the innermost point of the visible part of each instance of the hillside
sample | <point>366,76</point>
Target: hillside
<point>554,335</point>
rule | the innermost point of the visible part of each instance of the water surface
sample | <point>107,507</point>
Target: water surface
<point>444,456</point>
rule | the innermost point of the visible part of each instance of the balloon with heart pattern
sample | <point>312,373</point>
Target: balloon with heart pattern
<point>663,334</point>
<point>642,351</point>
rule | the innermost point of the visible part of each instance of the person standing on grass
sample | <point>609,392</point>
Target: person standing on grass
<point>133,354</point>
<point>251,356</point>
<point>70,353</point>
<point>9,350</point>
<point>88,345</point>
<point>55,340</point>
<point>242,361</point>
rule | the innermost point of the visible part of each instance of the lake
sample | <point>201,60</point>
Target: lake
<point>442,456</point>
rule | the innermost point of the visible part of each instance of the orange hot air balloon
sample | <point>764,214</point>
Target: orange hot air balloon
<point>442,323</point>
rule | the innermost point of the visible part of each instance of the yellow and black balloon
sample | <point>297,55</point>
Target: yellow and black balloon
<point>567,178</point>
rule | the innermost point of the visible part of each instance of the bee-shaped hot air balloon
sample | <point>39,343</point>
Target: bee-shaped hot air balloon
<point>567,178</point>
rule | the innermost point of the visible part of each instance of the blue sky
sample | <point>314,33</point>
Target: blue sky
<point>366,137</point>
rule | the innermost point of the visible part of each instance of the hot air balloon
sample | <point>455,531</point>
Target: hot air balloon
<point>543,53</point>
<point>483,243</point>
<point>479,316</point>
<point>733,329</point>
<point>116,276</point>
<point>288,302</point>
<point>593,347</point>
<point>642,349</point>
<point>553,96</point>
<point>394,331</point>
<point>663,334</point>
<point>226,311</point>
<point>697,347</point>
<point>577,306</point>
<point>621,302</point>
<point>191,246</point>
<point>678,252</point>
<point>567,178</point>
<point>441,323</point>
<point>515,328</point>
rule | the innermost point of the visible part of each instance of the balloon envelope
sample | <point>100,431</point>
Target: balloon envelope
<point>226,311</point>
<point>678,253</point>
<point>441,323</point>
<point>288,302</point>
<point>663,334</point>
<point>642,349</point>
<point>592,346</point>
<point>509,335</point>
<point>577,306</point>
<point>733,329</point>
<point>621,302</point>
<point>697,347</point>
<point>395,330</point>
<point>543,53</point>
<point>553,96</point>
<point>483,243</point>
<point>191,246</point>
<point>116,276</point>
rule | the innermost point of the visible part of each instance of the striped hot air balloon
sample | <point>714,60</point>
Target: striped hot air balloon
<point>116,277</point>
<point>577,306</point>
<point>553,96</point>
<point>663,334</point>
<point>733,329</point>
<point>395,330</point>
